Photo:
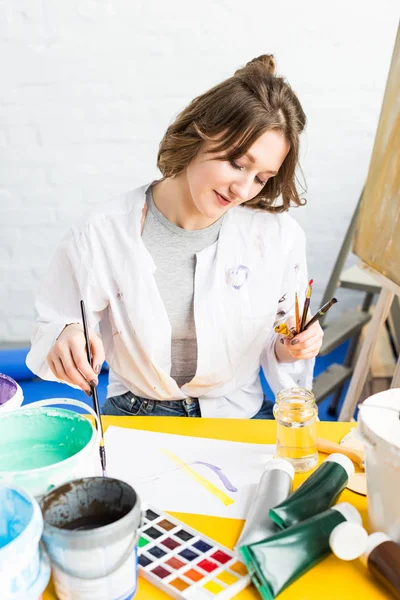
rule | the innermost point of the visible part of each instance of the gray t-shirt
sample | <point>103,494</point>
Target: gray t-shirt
<point>173,250</point>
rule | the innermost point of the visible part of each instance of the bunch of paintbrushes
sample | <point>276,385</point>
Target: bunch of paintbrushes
<point>301,324</point>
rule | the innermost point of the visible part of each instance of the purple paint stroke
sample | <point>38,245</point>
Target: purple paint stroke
<point>8,388</point>
<point>219,472</point>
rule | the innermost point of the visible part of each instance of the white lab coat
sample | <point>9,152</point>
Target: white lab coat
<point>244,284</point>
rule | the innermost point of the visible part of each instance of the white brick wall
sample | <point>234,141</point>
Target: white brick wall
<point>88,88</point>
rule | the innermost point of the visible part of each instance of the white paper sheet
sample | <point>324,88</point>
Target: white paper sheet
<point>184,474</point>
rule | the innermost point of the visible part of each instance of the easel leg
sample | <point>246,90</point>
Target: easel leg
<point>396,376</point>
<point>364,360</point>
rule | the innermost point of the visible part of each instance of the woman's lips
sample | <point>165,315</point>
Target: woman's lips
<point>222,200</point>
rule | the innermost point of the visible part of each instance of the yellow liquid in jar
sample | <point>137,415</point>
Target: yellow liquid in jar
<point>296,442</point>
<point>296,438</point>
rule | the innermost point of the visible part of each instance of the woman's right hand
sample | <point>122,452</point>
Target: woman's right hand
<point>68,360</point>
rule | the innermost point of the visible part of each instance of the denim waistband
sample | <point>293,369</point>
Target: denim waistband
<point>130,405</point>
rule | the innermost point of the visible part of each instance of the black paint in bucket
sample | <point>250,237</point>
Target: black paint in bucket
<point>88,503</point>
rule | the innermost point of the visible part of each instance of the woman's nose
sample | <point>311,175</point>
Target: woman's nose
<point>240,188</point>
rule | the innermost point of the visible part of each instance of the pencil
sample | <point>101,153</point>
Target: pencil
<point>320,313</point>
<point>306,304</point>
<point>93,390</point>
<point>296,305</point>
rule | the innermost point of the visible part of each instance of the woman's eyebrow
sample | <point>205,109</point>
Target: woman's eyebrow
<point>253,160</point>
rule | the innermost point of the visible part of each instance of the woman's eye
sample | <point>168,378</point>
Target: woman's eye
<point>240,168</point>
<point>235,165</point>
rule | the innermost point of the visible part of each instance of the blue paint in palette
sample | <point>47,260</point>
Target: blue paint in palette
<point>157,552</point>
<point>144,561</point>
<point>202,546</point>
<point>189,554</point>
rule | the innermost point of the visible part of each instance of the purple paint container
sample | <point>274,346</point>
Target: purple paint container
<point>11,395</point>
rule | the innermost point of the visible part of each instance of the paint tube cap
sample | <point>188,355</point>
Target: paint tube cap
<point>349,512</point>
<point>282,464</point>
<point>344,461</point>
<point>374,540</point>
<point>348,540</point>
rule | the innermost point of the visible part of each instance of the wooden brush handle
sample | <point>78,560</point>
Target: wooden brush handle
<point>328,447</point>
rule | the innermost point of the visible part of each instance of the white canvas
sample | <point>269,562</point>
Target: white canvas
<point>185,474</point>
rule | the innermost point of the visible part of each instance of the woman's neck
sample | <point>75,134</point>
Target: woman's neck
<point>173,199</point>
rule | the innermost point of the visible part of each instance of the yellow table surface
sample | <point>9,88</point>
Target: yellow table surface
<point>332,579</point>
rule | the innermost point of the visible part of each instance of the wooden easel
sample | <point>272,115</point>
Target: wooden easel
<point>377,235</point>
<point>386,296</point>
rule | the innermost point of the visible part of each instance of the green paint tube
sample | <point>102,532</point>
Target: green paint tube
<point>281,559</point>
<point>318,493</point>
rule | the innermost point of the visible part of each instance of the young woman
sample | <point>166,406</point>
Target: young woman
<point>185,278</point>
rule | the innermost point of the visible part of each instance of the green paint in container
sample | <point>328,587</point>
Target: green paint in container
<point>43,447</point>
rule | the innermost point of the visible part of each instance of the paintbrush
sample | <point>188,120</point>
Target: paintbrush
<point>93,390</point>
<point>320,313</point>
<point>306,304</point>
<point>297,312</point>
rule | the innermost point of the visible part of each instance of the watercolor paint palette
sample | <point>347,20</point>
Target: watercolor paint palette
<point>186,564</point>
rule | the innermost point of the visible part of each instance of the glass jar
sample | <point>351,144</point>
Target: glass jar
<point>296,415</point>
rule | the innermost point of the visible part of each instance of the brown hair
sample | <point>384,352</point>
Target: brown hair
<point>242,107</point>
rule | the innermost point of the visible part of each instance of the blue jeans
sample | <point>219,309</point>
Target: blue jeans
<point>130,405</point>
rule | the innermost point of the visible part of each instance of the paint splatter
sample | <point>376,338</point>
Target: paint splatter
<point>237,276</point>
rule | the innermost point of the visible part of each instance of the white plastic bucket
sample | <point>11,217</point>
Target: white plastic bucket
<point>379,428</point>
<point>24,569</point>
<point>91,531</point>
<point>43,578</point>
<point>11,396</point>
<point>43,447</point>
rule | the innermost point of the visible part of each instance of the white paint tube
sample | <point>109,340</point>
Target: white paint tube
<point>274,487</point>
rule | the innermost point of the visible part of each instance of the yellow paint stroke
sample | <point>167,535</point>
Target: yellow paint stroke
<point>210,487</point>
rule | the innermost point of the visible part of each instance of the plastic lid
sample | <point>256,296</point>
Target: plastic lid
<point>344,461</point>
<point>282,464</point>
<point>379,423</point>
<point>348,540</point>
<point>349,512</point>
<point>374,540</point>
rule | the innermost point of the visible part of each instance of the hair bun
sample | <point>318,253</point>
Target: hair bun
<point>267,61</point>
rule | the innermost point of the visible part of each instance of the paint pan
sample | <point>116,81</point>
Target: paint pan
<point>91,531</point>
<point>24,570</point>
<point>185,564</point>
<point>42,447</point>
<point>11,395</point>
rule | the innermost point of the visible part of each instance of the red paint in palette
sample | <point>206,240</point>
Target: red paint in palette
<point>220,557</point>
<point>207,565</point>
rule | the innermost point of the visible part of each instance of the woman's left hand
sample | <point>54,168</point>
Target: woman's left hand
<point>306,344</point>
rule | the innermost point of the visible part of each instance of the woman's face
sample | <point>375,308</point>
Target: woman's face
<point>218,185</point>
